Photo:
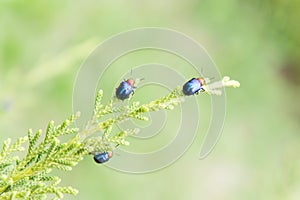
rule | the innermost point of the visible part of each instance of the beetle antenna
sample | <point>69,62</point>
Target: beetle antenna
<point>201,71</point>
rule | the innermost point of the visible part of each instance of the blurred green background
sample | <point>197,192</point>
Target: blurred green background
<point>43,43</point>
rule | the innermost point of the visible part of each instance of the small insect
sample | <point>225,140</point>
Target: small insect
<point>193,86</point>
<point>125,89</point>
<point>103,157</point>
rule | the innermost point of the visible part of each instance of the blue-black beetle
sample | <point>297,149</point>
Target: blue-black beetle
<point>193,86</point>
<point>103,157</point>
<point>125,89</point>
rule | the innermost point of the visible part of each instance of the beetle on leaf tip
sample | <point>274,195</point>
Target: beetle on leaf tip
<point>193,86</point>
<point>103,157</point>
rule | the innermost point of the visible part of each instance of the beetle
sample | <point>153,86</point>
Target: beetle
<point>103,157</point>
<point>125,89</point>
<point>193,86</point>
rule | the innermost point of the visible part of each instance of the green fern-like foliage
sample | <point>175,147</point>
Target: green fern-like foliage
<point>30,177</point>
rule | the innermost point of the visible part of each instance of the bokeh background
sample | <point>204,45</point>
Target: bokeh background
<point>43,43</point>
